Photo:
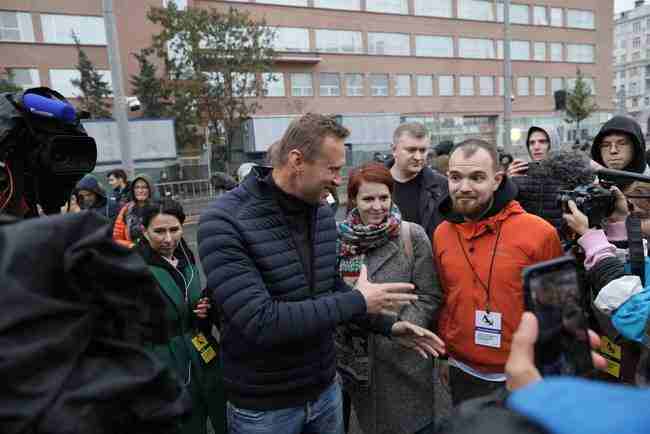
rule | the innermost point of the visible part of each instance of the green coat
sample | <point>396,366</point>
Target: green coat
<point>205,379</point>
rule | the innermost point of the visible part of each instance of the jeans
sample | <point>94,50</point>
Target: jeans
<point>322,416</point>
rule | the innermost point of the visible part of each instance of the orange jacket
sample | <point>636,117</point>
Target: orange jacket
<point>121,230</point>
<point>525,240</point>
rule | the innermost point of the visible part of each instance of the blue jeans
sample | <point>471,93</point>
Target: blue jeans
<point>322,416</point>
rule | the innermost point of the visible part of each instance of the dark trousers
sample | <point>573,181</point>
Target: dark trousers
<point>464,386</point>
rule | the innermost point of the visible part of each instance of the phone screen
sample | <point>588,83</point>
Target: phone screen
<point>554,296</point>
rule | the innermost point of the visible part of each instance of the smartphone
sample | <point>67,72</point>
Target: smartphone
<point>552,291</point>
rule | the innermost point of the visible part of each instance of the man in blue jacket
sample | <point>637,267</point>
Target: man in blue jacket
<point>268,249</point>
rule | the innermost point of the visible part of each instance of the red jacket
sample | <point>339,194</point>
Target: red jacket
<point>525,240</point>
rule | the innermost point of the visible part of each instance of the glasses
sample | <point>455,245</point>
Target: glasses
<point>619,145</point>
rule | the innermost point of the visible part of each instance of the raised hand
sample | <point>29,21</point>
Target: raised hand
<point>383,297</point>
<point>417,338</point>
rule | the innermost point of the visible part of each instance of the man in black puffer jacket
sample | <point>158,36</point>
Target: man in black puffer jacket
<point>268,249</point>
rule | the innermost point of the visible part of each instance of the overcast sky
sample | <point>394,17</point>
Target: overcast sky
<point>623,5</point>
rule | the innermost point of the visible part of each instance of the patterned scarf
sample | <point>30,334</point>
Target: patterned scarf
<point>355,239</point>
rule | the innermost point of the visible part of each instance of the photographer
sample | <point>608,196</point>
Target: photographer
<point>77,309</point>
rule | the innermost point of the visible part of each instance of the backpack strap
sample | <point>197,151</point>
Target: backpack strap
<point>405,235</point>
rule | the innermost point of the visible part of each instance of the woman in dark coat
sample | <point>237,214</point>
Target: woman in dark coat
<point>191,351</point>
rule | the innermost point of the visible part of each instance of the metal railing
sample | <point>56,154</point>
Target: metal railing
<point>188,191</point>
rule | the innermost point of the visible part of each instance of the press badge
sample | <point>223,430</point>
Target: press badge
<point>203,347</point>
<point>487,329</point>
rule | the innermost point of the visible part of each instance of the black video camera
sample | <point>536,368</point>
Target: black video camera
<point>42,157</point>
<point>594,201</point>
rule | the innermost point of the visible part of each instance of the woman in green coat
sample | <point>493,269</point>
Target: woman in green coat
<point>191,350</point>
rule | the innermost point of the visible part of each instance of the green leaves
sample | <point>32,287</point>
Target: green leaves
<point>94,90</point>
<point>580,102</point>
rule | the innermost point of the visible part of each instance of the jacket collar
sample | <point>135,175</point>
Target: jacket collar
<point>381,255</point>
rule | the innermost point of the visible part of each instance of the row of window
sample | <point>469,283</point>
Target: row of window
<point>479,10</point>
<point>332,84</point>
<point>296,39</point>
<point>60,79</point>
<point>57,29</point>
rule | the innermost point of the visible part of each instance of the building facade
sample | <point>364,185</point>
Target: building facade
<point>438,61</point>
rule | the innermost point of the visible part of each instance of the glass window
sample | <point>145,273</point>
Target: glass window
<point>571,84</point>
<point>557,17</point>
<point>352,5</point>
<point>466,85</point>
<point>434,46</point>
<point>284,2</point>
<point>580,53</point>
<point>636,42</point>
<point>301,84</point>
<point>244,84</point>
<point>520,50</point>
<point>330,84</point>
<point>379,84</point>
<point>580,19</point>
<point>338,41</point>
<point>60,79</point>
<point>486,86</point>
<point>389,44</point>
<point>291,39</point>
<point>424,85</point>
<point>25,78</point>
<point>540,86</point>
<point>402,85</point>
<point>471,48</point>
<point>539,16</point>
<point>540,51</point>
<point>180,4</point>
<point>481,10</point>
<point>446,85</point>
<point>354,84</point>
<point>502,86</point>
<point>556,52</point>
<point>58,29</point>
<point>591,84</point>
<point>433,8</point>
<point>274,83</point>
<point>16,26</point>
<point>636,26</point>
<point>557,83</point>
<point>519,14</point>
<point>522,86</point>
<point>500,49</point>
<point>387,6</point>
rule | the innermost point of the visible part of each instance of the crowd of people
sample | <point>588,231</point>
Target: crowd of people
<point>304,320</point>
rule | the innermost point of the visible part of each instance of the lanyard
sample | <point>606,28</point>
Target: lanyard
<point>494,254</point>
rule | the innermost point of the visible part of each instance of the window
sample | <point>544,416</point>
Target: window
<point>557,83</point>
<point>274,83</point>
<point>301,84</point>
<point>402,85</point>
<point>471,48</point>
<point>502,86</point>
<point>424,85</point>
<point>446,85</point>
<point>539,16</point>
<point>181,5</point>
<point>486,86</point>
<point>520,50</point>
<point>481,10</point>
<point>556,52</point>
<point>557,17</point>
<point>354,84</point>
<point>244,84</point>
<point>636,42</point>
<point>580,53</point>
<point>16,26</point>
<point>437,8</point>
<point>522,86</point>
<point>636,55</point>
<point>390,44</point>
<point>291,39</point>
<point>634,87</point>
<point>466,85</point>
<point>330,84</point>
<point>580,19</point>
<point>285,2</point>
<point>352,5</point>
<point>636,27</point>
<point>500,49</point>
<point>58,29</point>
<point>591,85</point>
<point>622,59</point>
<point>519,14</point>
<point>387,6</point>
<point>60,79</point>
<point>25,78</point>
<point>379,84</point>
<point>540,86</point>
<point>338,41</point>
<point>540,51</point>
<point>434,46</point>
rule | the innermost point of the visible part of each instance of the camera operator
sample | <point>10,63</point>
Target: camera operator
<point>77,309</point>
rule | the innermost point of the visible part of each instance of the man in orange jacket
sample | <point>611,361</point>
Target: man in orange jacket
<point>481,249</point>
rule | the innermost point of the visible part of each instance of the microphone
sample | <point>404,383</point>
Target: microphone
<point>48,107</point>
<point>612,176</point>
<point>571,169</point>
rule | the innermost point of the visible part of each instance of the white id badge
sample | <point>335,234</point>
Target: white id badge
<point>487,329</point>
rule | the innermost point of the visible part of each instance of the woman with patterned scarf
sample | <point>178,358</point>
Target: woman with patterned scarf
<point>391,387</point>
